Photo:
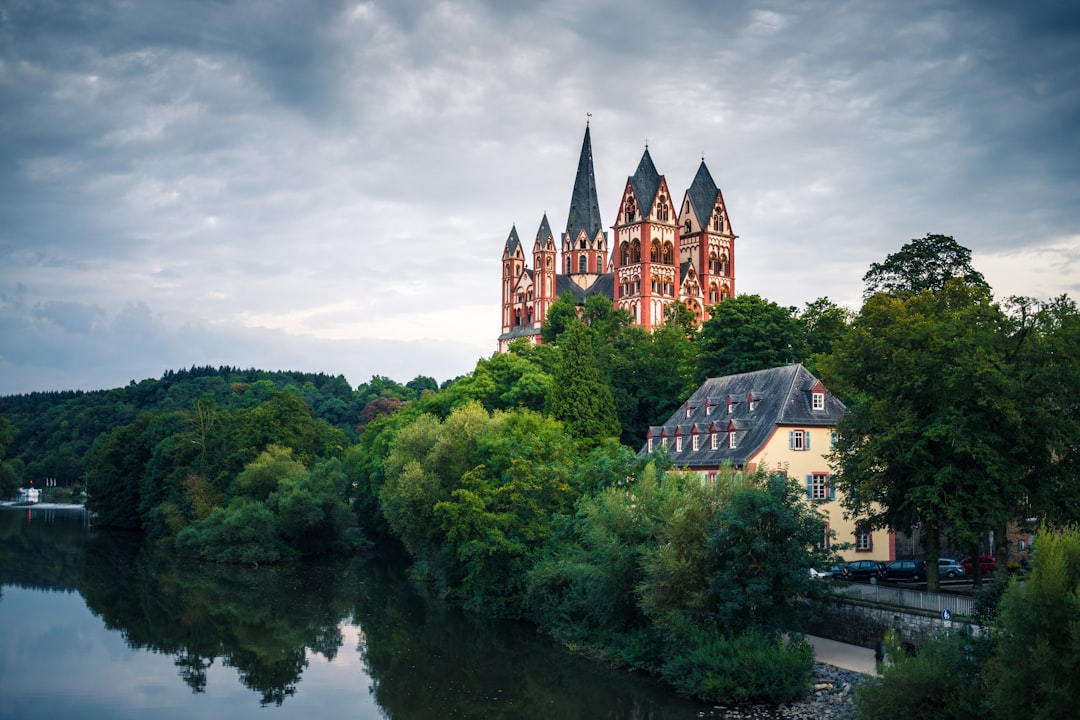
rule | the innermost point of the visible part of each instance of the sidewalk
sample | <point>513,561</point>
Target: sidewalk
<point>842,655</point>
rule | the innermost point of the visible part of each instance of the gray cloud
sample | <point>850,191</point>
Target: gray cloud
<point>331,185</point>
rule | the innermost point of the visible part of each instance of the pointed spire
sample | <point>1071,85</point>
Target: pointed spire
<point>544,232</point>
<point>584,208</point>
<point>645,181</point>
<point>702,193</point>
<point>512,242</point>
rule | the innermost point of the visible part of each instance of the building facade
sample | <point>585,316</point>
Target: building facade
<point>782,419</point>
<point>658,252</point>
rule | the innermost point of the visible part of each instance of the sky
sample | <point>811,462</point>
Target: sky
<point>328,187</point>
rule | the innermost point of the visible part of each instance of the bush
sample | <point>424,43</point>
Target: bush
<point>752,666</point>
<point>942,681</point>
<point>244,532</point>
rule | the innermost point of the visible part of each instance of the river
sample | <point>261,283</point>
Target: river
<point>96,624</point>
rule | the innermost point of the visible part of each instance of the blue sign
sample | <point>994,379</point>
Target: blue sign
<point>946,614</point>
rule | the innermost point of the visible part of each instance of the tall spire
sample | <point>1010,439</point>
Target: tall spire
<point>645,181</point>
<point>584,208</point>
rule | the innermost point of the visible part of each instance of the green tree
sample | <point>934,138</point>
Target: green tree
<point>935,410</point>
<point>923,264</point>
<point>9,479</point>
<point>746,333</point>
<point>825,323</point>
<point>581,398</point>
<point>562,313</point>
<point>1037,661</point>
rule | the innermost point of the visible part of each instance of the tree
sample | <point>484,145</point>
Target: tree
<point>934,412</point>
<point>923,264</point>
<point>561,314</point>
<point>581,398</point>
<point>825,323</point>
<point>9,480</point>
<point>747,333</point>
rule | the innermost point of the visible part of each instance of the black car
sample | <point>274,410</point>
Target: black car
<point>906,570</point>
<point>869,570</point>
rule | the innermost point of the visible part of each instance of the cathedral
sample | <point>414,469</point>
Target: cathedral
<point>654,257</point>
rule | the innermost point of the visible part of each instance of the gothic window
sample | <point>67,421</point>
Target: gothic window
<point>669,254</point>
<point>624,254</point>
<point>654,252</point>
<point>687,226</point>
<point>714,294</point>
<point>583,264</point>
<point>581,244</point>
<point>567,264</point>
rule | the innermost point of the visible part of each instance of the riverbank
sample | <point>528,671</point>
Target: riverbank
<point>832,697</point>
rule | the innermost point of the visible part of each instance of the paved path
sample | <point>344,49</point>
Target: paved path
<point>842,655</point>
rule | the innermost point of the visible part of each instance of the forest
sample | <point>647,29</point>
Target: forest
<point>519,490</point>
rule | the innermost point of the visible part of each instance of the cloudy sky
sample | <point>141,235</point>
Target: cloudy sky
<point>328,186</point>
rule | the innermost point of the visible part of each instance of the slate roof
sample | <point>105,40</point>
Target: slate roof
<point>512,242</point>
<point>702,194</point>
<point>645,181</point>
<point>584,207</point>
<point>603,285</point>
<point>544,232</point>
<point>781,397</point>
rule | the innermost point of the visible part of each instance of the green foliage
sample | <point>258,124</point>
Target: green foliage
<point>943,680</point>
<point>1037,662</point>
<point>581,397</point>
<point>749,667</point>
<point>760,548</point>
<point>936,432</point>
<point>923,264</point>
<point>243,532</point>
<point>562,313</point>
<point>262,476</point>
<point>746,333</point>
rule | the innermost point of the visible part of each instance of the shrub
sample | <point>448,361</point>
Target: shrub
<point>942,681</point>
<point>752,666</point>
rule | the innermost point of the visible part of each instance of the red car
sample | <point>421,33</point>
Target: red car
<point>986,564</point>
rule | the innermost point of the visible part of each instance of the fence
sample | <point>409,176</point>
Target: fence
<point>958,605</point>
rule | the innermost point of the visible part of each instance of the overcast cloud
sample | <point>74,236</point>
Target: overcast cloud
<point>328,186</point>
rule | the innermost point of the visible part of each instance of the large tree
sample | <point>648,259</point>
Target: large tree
<point>747,333</point>
<point>581,396</point>
<point>923,264</point>
<point>933,415</point>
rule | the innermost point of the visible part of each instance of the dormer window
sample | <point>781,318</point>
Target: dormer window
<point>751,402</point>
<point>818,400</point>
<point>708,408</point>
<point>730,405</point>
<point>678,443</point>
<point>712,439</point>
<point>731,442</point>
<point>694,442</point>
<point>687,408</point>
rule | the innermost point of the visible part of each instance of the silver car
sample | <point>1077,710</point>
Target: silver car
<point>950,568</point>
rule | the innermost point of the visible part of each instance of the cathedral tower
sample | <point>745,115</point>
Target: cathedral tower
<point>646,259</point>
<point>707,241</point>
<point>584,249</point>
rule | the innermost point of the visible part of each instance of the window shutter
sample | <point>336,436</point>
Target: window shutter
<point>832,488</point>
<point>791,439</point>
<point>810,487</point>
<point>806,440</point>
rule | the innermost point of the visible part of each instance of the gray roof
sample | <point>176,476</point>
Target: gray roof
<point>512,242</point>
<point>544,232</point>
<point>645,181</point>
<point>584,207</point>
<point>603,285</point>
<point>702,193</point>
<point>519,332</point>
<point>781,396</point>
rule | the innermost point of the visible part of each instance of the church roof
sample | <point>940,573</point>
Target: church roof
<point>702,193</point>
<point>603,285</point>
<point>781,395</point>
<point>544,232</point>
<point>584,207</point>
<point>645,181</point>
<point>512,242</point>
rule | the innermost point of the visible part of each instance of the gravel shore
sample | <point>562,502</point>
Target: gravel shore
<point>831,696</point>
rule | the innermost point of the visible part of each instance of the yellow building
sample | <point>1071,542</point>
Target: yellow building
<point>781,419</point>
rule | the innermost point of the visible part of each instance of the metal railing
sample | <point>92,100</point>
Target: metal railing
<point>960,605</point>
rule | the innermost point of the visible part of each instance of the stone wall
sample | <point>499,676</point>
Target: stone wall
<point>862,623</point>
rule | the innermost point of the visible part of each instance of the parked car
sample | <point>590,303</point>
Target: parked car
<point>986,563</point>
<point>950,568</point>
<point>838,572</point>
<point>906,570</point>
<point>816,574</point>
<point>868,570</point>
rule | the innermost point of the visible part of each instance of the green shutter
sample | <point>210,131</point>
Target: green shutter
<point>806,439</point>
<point>810,486</point>
<point>791,439</point>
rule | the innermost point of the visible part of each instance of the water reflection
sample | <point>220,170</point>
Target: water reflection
<point>415,657</point>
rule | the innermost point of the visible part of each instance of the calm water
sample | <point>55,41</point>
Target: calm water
<point>94,624</point>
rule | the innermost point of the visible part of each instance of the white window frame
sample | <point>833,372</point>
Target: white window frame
<point>694,442</point>
<point>819,487</point>
<point>731,441</point>
<point>798,440</point>
<point>712,441</point>
<point>864,542</point>
<point>678,443</point>
<point>819,401</point>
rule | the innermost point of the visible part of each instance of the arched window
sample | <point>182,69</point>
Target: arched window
<point>654,252</point>
<point>669,254</point>
<point>714,294</point>
<point>635,251</point>
<point>583,264</point>
<point>567,264</point>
